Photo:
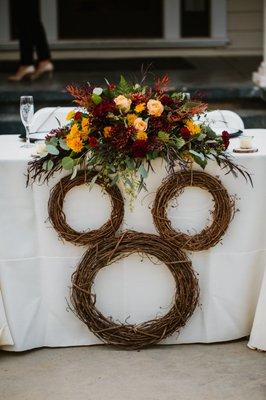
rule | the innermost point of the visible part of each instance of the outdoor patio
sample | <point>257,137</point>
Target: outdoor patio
<point>187,372</point>
<point>224,82</point>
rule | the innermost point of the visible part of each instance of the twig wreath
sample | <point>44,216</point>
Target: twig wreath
<point>58,218</point>
<point>104,249</point>
<point>130,336</point>
<point>221,215</point>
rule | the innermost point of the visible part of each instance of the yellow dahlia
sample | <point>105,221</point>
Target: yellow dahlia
<point>194,129</point>
<point>131,118</point>
<point>141,135</point>
<point>74,131</point>
<point>74,143</point>
<point>85,123</point>
<point>140,107</point>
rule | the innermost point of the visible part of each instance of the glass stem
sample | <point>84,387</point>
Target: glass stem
<point>27,134</point>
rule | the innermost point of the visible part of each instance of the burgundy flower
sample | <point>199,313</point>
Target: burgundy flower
<point>226,139</point>
<point>120,136</point>
<point>111,86</point>
<point>185,133</point>
<point>167,100</point>
<point>139,148</point>
<point>138,98</point>
<point>103,108</point>
<point>78,115</point>
<point>160,124</point>
<point>93,142</point>
<point>155,144</point>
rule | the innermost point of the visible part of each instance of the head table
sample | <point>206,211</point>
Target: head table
<point>36,267</point>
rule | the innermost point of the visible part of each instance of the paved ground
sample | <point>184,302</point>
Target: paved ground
<point>228,371</point>
<point>225,82</point>
<point>190,72</point>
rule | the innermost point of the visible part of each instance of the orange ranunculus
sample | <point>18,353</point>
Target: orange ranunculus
<point>107,131</point>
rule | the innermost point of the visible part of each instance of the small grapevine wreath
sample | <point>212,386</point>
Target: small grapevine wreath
<point>221,215</point>
<point>58,218</point>
<point>126,335</point>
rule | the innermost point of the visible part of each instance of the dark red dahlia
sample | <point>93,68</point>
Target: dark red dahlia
<point>166,100</point>
<point>226,139</point>
<point>155,144</point>
<point>139,148</point>
<point>185,133</point>
<point>138,98</point>
<point>120,136</point>
<point>160,124</point>
<point>103,108</point>
<point>78,115</point>
<point>93,142</point>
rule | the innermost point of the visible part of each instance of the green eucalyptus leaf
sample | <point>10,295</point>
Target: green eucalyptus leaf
<point>63,144</point>
<point>199,158</point>
<point>130,164</point>
<point>53,141</point>
<point>52,150</point>
<point>129,183</point>
<point>92,182</point>
<point>197,154</point>
<point>179,142</point>
<point>142,171</point>
<point>115,180</point>
<point>96,98</point>
<point>209,132</point>
<point>201,137</point>
<point>48,165</point>
<point>67,163</point>
<point>112,168</point>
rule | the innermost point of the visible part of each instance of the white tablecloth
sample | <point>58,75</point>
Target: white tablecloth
<point>35,267</point>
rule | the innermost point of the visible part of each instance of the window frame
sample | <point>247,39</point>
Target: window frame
<point>171,30</point>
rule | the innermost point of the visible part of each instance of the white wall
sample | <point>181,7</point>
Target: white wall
<point>244,22</point>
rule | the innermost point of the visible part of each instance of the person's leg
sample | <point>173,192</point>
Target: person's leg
<point>40,40</point>
<point>41,45</point>
<point>23,21</point>
<point>22,16</point>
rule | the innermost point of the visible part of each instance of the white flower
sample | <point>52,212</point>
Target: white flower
<point>41,149</point>
<point>98,91</point>
<point>123,103</point>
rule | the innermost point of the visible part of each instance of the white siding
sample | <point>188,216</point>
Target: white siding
<point>244,21</point>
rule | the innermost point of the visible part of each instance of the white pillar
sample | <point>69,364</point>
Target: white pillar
<point>259,77</point>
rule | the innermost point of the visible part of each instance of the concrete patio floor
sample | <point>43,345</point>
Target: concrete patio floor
<point>226,371</point>
<point>224,82</point>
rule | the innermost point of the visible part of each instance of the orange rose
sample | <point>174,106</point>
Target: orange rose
<point>155,108</point>
<point>140,125</point>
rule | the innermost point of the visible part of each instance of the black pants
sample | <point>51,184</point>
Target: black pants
<point>31,32</point>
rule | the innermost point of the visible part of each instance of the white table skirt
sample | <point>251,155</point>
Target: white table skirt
<point>36,267</point>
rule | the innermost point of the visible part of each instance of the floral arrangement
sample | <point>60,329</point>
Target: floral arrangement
<point>120,129</point>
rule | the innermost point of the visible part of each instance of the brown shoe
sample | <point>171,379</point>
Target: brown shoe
<point>24,71</point>
<point>44,68</point>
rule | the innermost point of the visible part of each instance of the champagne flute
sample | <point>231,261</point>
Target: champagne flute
<point>26,115</point>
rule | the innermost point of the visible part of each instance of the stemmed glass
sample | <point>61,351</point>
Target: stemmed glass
<point>26,115</point>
